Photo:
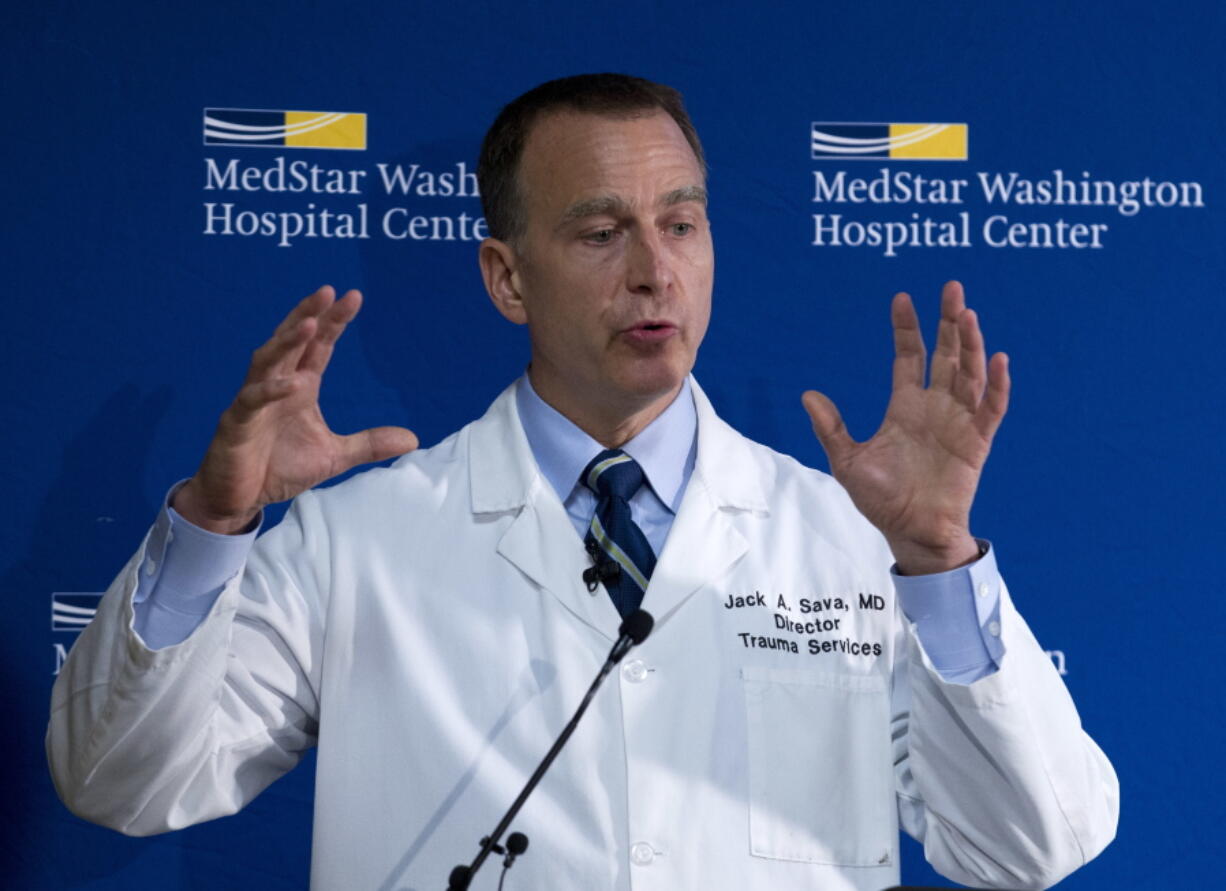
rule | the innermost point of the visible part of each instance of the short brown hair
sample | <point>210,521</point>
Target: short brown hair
<point>611,95</point>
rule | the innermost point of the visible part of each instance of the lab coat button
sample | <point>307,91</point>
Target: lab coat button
<point>983,589</point>
<point>641,854</point>
<point>994,629</point>
<point>150,567</point>
<point>635,671</point>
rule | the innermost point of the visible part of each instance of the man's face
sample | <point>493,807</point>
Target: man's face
<point>615,266</point>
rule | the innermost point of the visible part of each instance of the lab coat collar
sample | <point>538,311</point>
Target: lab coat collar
<point>502,471</point>
<point>733,476</point>
<point>704,541</point>
<point>702,544</point>
<point>540,541</point>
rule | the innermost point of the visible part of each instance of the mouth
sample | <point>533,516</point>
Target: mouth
<point>650,331</point>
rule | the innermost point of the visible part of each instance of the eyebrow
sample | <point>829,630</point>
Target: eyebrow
<point>682,196</point>
<point>615,206</point>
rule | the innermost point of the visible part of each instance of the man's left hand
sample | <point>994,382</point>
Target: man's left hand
<point>916,478</point>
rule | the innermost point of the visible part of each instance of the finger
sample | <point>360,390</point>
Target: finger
<point>828,426</point>
<point>376,444</point>
<point>909,351</point>
<point>311,305</point>
<point>280,355</point>
<point>332,324</point>
<point>255,396</point>
<point>316,351</point>
<point>284,348</point>
<point>996,400</point>
<point>972,361</point>
<point>945,357</point>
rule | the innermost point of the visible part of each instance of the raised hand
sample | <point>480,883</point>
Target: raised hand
<point>272,442</point>
<point>916,478</point>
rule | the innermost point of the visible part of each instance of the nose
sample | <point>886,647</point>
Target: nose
<point>648,266</point>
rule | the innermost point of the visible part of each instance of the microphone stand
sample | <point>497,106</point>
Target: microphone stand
<point>634,630</point>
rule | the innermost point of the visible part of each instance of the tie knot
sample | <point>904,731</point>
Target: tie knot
<point>615,473</point>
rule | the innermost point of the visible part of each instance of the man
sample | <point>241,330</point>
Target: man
<point>428,627</point>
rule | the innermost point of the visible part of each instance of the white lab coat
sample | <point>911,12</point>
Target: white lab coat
<point>427,628</point>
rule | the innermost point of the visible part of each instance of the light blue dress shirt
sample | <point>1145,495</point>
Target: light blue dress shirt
<point>956,613</point>
<point>664,449</point>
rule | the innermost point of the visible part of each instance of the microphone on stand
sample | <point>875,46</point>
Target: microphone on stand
<point>517,843</point>
<point>633,631</point>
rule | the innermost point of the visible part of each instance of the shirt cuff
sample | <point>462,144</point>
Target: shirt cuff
<point>184,571</point>
<point>957,617</point>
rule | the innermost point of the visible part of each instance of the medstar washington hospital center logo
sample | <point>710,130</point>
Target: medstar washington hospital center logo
<point>902,142</point>
<point>285,129</point>
<point>894,206</point>
<point>287,197</point>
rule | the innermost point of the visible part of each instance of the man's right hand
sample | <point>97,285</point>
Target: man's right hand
<point>272,442</point>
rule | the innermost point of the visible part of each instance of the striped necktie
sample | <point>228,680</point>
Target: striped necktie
<point>612,535</point>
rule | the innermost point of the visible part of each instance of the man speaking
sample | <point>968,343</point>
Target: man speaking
<point>833,658</point>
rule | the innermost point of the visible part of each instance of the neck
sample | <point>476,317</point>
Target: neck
<point>610,424</point>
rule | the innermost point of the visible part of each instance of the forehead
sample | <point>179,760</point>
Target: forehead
<point>572,156</point>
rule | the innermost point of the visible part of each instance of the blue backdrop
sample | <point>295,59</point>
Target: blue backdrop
<point>130,324</point>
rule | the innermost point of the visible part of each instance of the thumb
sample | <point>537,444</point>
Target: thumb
<point>376,444</point>
<point>827,425</point>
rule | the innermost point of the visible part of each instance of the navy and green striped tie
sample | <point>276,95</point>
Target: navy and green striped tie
<point>612,535</point>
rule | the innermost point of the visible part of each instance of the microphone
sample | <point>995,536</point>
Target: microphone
<point>517,843</point>
<point>633,631</point>
<point>604,570</point>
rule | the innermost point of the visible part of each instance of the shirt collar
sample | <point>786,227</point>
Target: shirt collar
<point>665,448</point>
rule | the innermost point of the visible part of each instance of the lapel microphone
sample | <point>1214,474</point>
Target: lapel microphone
<point>603,570</point>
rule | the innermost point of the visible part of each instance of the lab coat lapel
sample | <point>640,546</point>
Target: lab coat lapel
<point>703,543</point>
<point>540,541</point>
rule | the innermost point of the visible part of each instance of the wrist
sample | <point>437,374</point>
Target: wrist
<point>916,558</point>
<point>188,504</point>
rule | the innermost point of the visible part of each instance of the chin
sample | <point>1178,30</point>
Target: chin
<point>649,383</point>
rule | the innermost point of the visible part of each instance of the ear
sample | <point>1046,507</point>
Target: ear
<point>500,271</point>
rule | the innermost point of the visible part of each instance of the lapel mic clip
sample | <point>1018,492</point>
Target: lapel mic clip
<point>603,570</point>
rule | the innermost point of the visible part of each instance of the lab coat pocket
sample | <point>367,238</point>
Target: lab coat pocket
<point>820,775</point>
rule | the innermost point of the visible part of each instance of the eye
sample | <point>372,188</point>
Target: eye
<point>600,236</point>
<point>681,228</point>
